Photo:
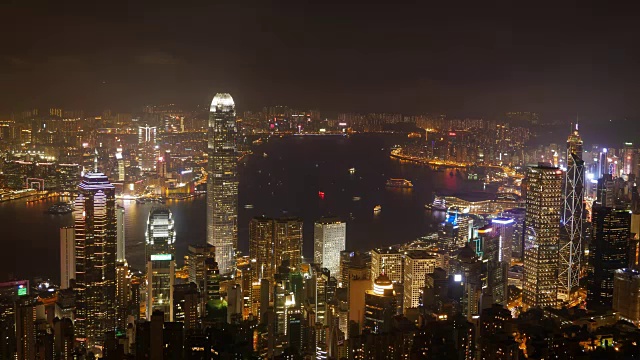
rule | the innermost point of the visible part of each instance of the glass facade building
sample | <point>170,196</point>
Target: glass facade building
<point>222,181</point>
<point>542,231</point>
<point>95,255</point>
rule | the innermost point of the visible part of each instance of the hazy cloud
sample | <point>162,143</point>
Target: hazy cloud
<point>158,58</point>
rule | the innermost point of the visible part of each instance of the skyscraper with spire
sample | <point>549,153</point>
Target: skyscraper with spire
<point>573,210</point>
<point>222,181</point>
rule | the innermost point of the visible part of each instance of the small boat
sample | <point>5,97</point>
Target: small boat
<point>352,170</point>
<point>60,208</point>
<point>356,198</point>
<point>264,155</point>
<point>248,206</point>
<point>399,183</point>
<point>377,208</point>
<point>451,173</point>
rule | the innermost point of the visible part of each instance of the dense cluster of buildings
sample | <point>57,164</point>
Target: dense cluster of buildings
<point>554,274</point>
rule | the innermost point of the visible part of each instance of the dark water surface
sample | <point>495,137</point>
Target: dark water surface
<point>284,183</point>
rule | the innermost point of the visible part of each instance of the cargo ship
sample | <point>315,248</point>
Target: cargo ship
<point>399,183</point>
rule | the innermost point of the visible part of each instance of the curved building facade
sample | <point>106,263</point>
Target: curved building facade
<point>222,181</point>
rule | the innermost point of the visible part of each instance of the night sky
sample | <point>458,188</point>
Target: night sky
<point>475,58</point>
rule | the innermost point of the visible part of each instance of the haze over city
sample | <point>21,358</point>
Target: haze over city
<point>319,180</point>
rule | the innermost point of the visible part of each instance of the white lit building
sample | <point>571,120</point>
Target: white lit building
<point>417,264</point>
<point>329,238</point>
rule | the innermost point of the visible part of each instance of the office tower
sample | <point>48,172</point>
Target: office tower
<point>222,181</point>
<point>211,280</point>
<point>67,256</point>
<point>122,273</point>
<point>466,268</point>
<point>160,257</point>
<point>234,304</point>
<point>25,310</point>
<point>417,265</point>
<point>465,230</point>
<point>123,281</point>
<point>626,295</point>
<point>605,194</point>
<point>288,241</point>
<point>380,306</point>
<point>120,242</point>
<point>260,248</point>
<point>121,169</point>
<point>329,236</point>
<point>387,261</point>
<point>608,252</point>
<point>505,228</point>
<point>147,142</point>
<point>542,224</point>
<point>96,246</point>
<point>186,300</point>
<point>495,270</point>
<point>197,255</point>
<point>354,265</point>
<point>63,339</point>
<point>571,241</point>
<point>147,135</point>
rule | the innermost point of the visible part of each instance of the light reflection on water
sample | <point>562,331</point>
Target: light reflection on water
<point>286,183</point>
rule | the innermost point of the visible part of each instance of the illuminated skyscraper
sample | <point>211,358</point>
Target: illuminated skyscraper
<point>380,306</point>
<point>571,239</point>
<point>67,256</point>
<point>387,261</point>
<point>542,224</point>
<point>608,252</point>
<point>329,238</point>
<point>222,181</point>
<point>96,238</point>
<point>271,241</point>
<point>160,257</point>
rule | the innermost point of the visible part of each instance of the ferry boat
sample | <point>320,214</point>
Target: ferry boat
<point>248,206</point>
<point>377,208</point>
<point>60,208</point>
<point>438,204</point>
<point>399,183</point>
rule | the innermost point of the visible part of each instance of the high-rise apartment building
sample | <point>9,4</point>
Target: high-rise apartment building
<point>417,265</point>
<point>329,239</point>
<point>96,238</point>
<point>387,261</point>
<point>542,227</point>
<point>571,241</point>
<point>160,258</point>
<point>271,241</point>
<point>222,181</point>
<point>608,252</point>
<point>67,256</point>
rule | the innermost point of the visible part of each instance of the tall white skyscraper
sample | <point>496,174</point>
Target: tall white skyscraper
<point>222,181</point>
<point>329,239</point>
<point>67,256</point>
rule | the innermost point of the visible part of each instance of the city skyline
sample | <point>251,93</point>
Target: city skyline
<point>319,181</point>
